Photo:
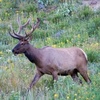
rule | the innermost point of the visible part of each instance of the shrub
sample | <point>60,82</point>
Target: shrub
<point>14,96</point>
<point>85,12</point>
<point>28,7</point>
<point>94,26</point>
<point>93,56</point>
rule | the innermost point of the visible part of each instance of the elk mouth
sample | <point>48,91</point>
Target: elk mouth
<point>15,53</point>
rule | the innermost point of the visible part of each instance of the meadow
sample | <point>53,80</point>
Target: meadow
<point>62,25</point>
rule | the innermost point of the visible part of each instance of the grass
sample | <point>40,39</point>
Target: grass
<point>60,29</point>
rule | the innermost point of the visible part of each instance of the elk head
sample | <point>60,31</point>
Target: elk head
<point>23,44</point>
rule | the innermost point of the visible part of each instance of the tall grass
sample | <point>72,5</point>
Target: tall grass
<point>58,28</point>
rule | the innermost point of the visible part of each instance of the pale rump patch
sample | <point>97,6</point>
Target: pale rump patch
<point>84,54</point>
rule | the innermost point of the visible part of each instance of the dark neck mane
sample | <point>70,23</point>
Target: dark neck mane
<point>33,54</point>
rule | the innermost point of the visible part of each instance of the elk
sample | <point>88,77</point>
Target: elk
<point>49,60</point>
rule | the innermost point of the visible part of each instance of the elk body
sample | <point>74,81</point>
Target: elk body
<point>52,61</point>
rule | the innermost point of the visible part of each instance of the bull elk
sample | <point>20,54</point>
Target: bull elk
<point>49,60</point>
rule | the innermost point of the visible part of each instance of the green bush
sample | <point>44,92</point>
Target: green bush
<point>96,20</point>
<point>93,26</point>
<point>85,12</point>
<point>93,56</point>
<point>14,96</point>
<point>28,7</point>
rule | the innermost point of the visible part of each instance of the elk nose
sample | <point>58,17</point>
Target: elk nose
<point>13,50</point>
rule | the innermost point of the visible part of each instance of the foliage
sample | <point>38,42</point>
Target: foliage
<point>46,2</point>
<point>93,56</point>
<point>65,26</point>
<point>28,7</point>
<point>85,12</point>
<point>93,26</point>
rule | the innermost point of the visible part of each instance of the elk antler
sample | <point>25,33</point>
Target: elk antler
<point>14,35</point>
<point>34,26</point>
<point>21,26</point>
<point>27,36</point>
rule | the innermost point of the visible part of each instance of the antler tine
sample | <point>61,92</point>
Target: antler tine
<point>28,21</point>
<point>13,35</point>
<point>11,27</point>
<point>17,35</point>
<point>36,25</point>
<point>33,27</point>
<point>21,26</point>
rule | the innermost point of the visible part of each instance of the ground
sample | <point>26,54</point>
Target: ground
<point>94,4</point>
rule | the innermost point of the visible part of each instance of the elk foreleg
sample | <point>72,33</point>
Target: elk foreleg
<point>76,78</point>
<point>55,75</point>
<point>35,79</point>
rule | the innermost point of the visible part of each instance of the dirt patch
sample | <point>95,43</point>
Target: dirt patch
<point>94,4</point>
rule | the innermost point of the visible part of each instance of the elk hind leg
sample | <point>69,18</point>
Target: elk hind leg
<point>84,74</point>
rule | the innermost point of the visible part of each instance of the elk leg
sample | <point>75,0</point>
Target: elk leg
<point>35,79</point>
<point>55,76</point>
<point>85,75</point>
<point>76,78</point>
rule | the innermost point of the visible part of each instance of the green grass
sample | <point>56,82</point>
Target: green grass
<point>81,28</point>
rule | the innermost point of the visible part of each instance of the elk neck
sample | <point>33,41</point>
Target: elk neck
<point>33,54</point>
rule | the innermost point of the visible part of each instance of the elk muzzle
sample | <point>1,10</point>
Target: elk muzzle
<point>14,52</point>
